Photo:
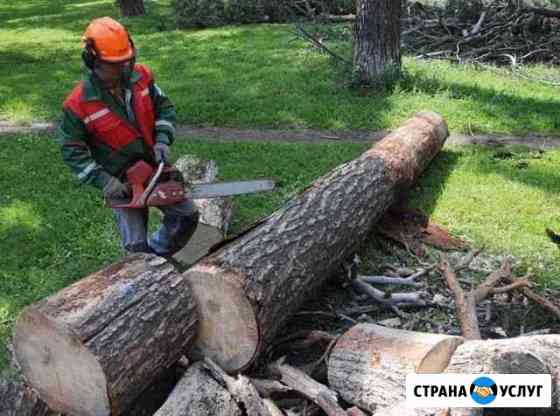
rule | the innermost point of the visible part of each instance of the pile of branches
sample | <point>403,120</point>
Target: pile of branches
<point>497,32</point>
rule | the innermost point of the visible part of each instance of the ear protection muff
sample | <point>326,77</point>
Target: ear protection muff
<point>89,53</point>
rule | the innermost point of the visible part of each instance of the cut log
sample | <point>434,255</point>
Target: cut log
<point>198,394</point>
<point>93,347</point>
<point>18,400</point>
<point>520,355</point>
<point>369,363</point>
<point>215,213</point>
<point>247,289</point>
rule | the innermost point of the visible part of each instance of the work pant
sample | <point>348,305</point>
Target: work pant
<point>177,227</point>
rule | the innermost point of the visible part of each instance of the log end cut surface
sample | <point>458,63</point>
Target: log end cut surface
<point>59,365</point>
<point>228,332</point>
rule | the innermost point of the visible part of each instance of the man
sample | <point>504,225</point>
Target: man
<point>116,116</point>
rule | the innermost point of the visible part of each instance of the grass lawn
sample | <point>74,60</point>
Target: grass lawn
<point>253,76</point>
<point>54,230</point>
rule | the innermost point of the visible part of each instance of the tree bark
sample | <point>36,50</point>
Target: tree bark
<point>520,355</point>
<point>18,400</point>
<point>215,213</point>
<point>93,347</point>
<point>369,363</point>
<point>131,8</point>
<point>247,289</point>
<point>199,394</point>
<point>377,35</point>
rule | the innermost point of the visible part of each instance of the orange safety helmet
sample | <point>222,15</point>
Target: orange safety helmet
<point>107,40</point>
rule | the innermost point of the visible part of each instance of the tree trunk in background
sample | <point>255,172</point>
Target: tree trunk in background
<point>130,8</point>
<point>377,38</point>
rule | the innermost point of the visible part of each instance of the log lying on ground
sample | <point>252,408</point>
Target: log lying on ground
<point>369,363</point>
<point>247,289</point>
<point>520,355</point>
<point>18,400</point>
<point>91,348</point>
<point>215,213</point>
<point>199,394</point>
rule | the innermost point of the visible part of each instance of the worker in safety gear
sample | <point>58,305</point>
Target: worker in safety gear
<point>116,116</point>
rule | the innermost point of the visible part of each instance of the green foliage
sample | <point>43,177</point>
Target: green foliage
<point>207,13</point>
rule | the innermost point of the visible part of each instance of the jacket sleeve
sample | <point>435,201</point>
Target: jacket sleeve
<point>165,115</point>
<point>73,139</point>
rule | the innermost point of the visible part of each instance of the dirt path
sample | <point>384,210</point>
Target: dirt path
<point>308,136</point>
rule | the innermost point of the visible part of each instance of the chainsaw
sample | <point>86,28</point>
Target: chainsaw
<point>165,185</point>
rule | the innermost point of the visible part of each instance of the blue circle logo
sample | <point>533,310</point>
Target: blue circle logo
<point>483,390</point>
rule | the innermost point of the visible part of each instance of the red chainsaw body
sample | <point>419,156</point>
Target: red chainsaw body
<point>168,190</point>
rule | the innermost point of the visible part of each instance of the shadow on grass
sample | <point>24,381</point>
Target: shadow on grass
<point>520,164</point>
<point>429,188</point>
<point>523,114</point>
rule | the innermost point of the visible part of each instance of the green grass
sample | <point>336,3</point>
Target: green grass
<point>54,231</point>
<point>253,76</point>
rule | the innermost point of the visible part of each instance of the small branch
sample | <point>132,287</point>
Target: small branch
<point>518,284</point>
<point>541,300</point>
<point>397,299</point>
<point>544,12</point>
<point>318,393</point>
<point>487,286</point>
<point>267,388</point>
<point>318,44</point>
<point>241,389</point>
<point>386,280</point>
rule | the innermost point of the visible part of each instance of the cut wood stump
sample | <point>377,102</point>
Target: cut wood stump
<point>199,394</point>
<point>248,289</point>
<point>93,347</point>
<point>368,365</point>
<point>214,213</point>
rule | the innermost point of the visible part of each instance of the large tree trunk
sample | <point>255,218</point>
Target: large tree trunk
<point>93,347</point>
<point>198,394</point>
<point>369,363</point>
<point>130,8</point>
<point>377,37</point>
<point>246,290</point>
<point>215,213</point>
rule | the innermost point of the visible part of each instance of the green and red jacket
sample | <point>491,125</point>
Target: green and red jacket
<point>101,138</point>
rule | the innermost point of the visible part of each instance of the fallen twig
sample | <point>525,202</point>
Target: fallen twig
<point>386,280</point>
<point>465,303</point>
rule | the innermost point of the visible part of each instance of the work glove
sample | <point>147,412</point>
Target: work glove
<point>115,189</point>
<point>161,152</point>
